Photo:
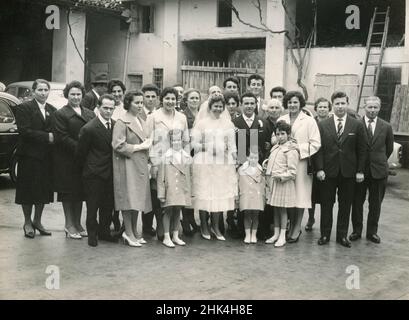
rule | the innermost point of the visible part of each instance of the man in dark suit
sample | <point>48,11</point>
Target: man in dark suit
<point>253,132</point>
<point>340,162</point>
<point>99,87</point>
<point>94,156</point>
<point>380,143</point>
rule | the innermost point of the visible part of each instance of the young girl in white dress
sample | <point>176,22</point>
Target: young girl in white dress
<point>282,168</point>
<point>174,187</point>
<point>252,194</point>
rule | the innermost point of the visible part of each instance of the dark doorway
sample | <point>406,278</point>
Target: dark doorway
<point>388,79</point>
<point>26,44</point>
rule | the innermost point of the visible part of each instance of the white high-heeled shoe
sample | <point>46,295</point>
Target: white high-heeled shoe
<point>72,235</point>
<point>129,242</point>
<point>142,241</point>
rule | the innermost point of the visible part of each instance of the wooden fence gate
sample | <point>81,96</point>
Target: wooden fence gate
<point>203,75</point>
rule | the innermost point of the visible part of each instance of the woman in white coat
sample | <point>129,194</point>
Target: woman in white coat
<point>304,130</point>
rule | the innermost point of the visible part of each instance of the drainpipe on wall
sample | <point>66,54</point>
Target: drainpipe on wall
<point>128,40</point>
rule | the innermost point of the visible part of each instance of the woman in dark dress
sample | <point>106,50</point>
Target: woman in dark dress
<point>191,100</point>
<point>322,107</point>
<point>34,178</point>
<point>67,177</point>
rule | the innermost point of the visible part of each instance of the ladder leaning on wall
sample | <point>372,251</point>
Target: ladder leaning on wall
<point>375,46</point>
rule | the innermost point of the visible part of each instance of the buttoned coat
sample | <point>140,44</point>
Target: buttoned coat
<point>130,169</point>
<point>174,180</point>
<point>251,188</point>
<point>66,128</point>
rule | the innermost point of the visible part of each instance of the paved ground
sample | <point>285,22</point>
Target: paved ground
<point>204,269</point>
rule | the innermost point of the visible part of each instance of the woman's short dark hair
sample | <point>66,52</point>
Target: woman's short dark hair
<point>322,99</point>
<point>283,126</point>
<point>38,81</point>
<point>166,91</point>
<point>277,89</point>
<point>230,95</point>
<point>129,96</point>
<point>291,94</point>
<point>73,84</point>
<point>215,99</point>
<point>115,82</point>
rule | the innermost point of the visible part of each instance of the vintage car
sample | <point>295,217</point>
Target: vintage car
<point>8,134</point>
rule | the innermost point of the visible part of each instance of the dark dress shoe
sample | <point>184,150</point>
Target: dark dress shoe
<point>92,241</point>
<point>374,238</point>
<point>29,234</point>
<point>42,231</point>
<point>309,225</point>
<point>323,240</point>
<point>292,240</point>
<point>354,236</point>
<point>344,242</point>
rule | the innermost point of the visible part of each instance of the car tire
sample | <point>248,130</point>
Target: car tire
<point>13,169</point>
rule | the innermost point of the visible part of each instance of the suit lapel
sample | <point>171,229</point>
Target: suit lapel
<point>131,123</point>
<point>378,129</point>
<point>347,129</point>
<point>37,110</point>
<point>104,131</point>
<point>332,130</point>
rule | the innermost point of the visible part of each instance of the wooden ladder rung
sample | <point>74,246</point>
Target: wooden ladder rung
<point>379,22</point>
<point>377,33</point>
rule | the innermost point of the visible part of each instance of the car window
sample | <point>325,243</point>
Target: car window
<point>24,94</point>
<point>6,116</point>
<point>12,91</point>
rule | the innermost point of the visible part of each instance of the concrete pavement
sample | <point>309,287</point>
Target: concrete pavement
<point>205,269</point>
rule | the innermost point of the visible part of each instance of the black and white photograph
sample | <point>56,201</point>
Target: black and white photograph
<point>216,152</point>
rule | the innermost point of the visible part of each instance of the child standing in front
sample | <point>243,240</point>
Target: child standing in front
<point>174,187</point>
<point>281,169</point>
<point>252,195</point>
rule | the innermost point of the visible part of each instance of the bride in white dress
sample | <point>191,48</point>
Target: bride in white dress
<point>214,165</point>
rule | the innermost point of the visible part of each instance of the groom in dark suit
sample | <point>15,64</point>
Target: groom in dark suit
<point>380,142</point>
<point>94,156</point>
<point>340,163</point>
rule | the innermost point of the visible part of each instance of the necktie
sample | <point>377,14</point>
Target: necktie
<point>339,128</point>
<point>108,126</point>
<point>370,132</point>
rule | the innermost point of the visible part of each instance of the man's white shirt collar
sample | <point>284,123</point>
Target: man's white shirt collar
<point>42,108</point>
<point>344,118</point>
<point>251,118</point>
<point>103,121</point>
<point>96,93</point>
